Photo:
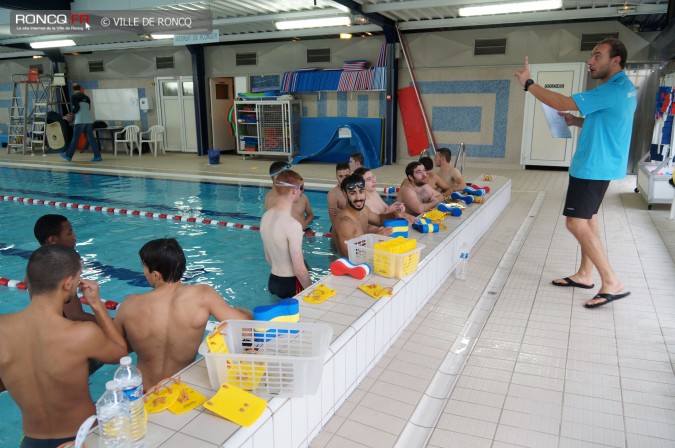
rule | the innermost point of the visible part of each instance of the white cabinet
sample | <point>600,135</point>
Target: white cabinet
<point>268,127</point>
<point>538,146</point>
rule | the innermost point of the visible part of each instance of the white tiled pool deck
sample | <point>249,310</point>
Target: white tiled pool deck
<point>502,359</point>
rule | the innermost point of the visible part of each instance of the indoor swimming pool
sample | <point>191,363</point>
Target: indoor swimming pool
<point>229,259</point>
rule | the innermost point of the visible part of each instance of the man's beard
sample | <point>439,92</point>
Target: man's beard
<point>351,204</point>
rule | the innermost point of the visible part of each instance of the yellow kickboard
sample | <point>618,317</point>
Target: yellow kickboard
<point>187,400</point>
<point>236,405</point>
<point>376,291</point>
<point>320,294</point>
<point>161,397</point>
<point>245,374</point>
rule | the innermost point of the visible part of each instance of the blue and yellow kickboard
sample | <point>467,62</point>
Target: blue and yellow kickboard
<point>399,227</point>
<point>424,225</point>
<point>285,310</point>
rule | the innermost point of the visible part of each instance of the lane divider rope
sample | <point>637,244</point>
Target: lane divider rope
<point>109,304</point>
<point>126,212</point>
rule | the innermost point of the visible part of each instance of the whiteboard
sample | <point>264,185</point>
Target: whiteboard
<point>116,104</point>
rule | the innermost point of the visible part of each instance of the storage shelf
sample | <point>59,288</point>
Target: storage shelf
<point>275,131</point>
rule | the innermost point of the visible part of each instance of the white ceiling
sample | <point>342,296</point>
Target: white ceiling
<point>253,20</point>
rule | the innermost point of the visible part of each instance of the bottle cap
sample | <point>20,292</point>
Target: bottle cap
<point>125,361</point>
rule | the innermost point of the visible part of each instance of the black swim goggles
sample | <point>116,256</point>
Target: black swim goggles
<point>353,186</point>
<point>286,167</point>
<point>286,184</point>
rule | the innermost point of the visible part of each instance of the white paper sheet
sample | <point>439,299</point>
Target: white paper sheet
<point>556,123</point>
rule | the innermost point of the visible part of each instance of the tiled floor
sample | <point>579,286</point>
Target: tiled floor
<point>544,371</point>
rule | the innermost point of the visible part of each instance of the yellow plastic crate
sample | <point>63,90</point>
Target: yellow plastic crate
<point>387,264</point>
<point>398,245</point>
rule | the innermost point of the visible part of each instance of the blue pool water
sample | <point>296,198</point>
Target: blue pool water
<point>230,259</point>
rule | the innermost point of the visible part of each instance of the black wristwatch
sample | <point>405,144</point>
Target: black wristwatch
<point>528,83</point>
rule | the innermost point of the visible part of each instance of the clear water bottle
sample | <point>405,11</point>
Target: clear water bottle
<point>114,422</point>
<point>462,268</point>
<point>130,380</point>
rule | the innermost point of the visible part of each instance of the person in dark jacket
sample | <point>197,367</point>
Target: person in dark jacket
<point>84,122</point>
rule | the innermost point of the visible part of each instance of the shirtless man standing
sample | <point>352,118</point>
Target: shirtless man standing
<point>282,239</point>
<point>336,200</point>
<point>353,221</point>
<point>302,210</point>
<point>43,355</point>
<point>447,172</point>
<point>417,195</point>
<point>165,326</point>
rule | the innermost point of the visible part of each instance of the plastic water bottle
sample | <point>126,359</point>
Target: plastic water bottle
<point>463,266</point>
<point>114,422</point>
<point>130,380</point>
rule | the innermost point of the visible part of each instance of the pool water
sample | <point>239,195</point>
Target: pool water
<point>229,259</point>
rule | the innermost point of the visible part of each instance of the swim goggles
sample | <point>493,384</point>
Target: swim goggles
<point>353,186</point>
<point>286,167</point>
<point>286,184</point>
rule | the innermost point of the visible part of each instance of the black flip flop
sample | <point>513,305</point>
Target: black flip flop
<point>571,282</point>
<point>608,298</point>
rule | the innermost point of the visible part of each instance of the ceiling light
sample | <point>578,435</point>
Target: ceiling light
<point>53,43</point>
<point>313,23</point>
<point>161,36</point>
<point>508,8</point>
<point>345,36</point>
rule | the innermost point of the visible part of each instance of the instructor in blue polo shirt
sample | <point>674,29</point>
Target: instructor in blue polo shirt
<point>601,156</point>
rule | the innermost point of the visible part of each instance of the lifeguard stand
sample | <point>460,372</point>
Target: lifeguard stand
<point>33,95</point>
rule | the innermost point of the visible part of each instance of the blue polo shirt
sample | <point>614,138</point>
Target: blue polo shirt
<point>604,142</point>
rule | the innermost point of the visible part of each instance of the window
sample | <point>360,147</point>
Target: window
<point>170,88</point>
<point>188,88</point>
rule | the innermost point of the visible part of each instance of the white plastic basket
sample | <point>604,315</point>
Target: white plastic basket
<point>270,358</point>
<point>386,264</point>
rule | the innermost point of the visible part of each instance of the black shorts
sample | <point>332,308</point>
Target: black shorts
<point>284,287</point>
<point>29,442</point>
<point>584,197</point>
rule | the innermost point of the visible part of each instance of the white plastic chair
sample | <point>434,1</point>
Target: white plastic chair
<point>128,135</point>
<point>155,138</point>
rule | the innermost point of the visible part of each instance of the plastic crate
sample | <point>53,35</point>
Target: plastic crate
<point>270,358</point>
<point>386,264</point>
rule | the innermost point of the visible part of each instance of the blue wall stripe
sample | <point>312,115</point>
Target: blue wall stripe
<point>342,99</point>
<point>362,106</point>
<point>322,105</point>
